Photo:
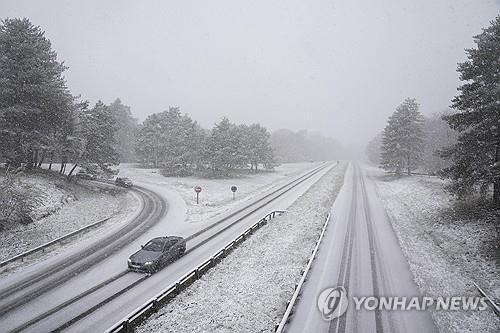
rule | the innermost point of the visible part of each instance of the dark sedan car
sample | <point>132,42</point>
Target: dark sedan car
<point>85,175</point>
<point>124,182</point>
<point>157,253</point>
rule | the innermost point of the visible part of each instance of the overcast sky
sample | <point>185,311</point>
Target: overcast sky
<point>339,67</point>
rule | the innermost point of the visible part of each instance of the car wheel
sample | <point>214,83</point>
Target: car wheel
<point>155,268</point>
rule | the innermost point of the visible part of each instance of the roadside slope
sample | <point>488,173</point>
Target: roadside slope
<point>64,208</point>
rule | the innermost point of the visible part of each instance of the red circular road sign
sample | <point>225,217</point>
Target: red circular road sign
<point>197,189</point>
<point>234,188</point>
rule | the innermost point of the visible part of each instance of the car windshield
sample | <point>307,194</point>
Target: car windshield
<point>170,243</point>
<point>154,245</point>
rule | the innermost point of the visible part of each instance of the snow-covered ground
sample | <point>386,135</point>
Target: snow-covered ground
<point>65,207</point>
<point>216,196</point>
<point>248,290</point>
<point>445,254</point>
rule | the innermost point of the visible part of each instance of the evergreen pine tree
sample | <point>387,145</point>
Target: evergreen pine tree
<point>373,149</point>
<point>97,130</point>
<point>126,130</point>
<point>475,158</point>
<point>170,140</point>
<point>403,139</point>
<point>219,151</point>
<point>438,135</point>
<point>34,99</point>
<point>258,147</point>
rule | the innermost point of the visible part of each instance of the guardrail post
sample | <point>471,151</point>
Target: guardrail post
<point>154,305</point>
<point>126,326</point>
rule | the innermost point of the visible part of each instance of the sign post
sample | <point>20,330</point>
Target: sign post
<point>234,189</point>
<point>197,189</point>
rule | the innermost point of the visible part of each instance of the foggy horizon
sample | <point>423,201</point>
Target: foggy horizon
<point>270,166</point>
<point>337,68</point>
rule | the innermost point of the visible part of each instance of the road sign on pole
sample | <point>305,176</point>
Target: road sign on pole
<point>197,189</point>
<point>234,189</point>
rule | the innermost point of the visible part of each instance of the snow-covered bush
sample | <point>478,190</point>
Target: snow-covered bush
<point>17,200</point>
<point>178,170</point>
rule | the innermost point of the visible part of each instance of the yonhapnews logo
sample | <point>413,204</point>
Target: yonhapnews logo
<point>332,302</point>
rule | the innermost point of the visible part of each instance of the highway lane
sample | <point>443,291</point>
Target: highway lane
<point>118,308</point>
<point>18,288</point>
<point>360,252</point>
<point>115,264</point>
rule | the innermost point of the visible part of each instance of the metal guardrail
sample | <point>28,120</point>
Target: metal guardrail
<point>492,304</point>
<point>52,242</point>
<point>60,239</point>
<point>127,324</point>
<point>280,328</point>
<point>288,312</point>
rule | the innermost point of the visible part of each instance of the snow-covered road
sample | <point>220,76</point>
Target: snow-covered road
<point>114,311</point>
<point>27,293</point>
<point>172,223</point>
<point>361,253</point>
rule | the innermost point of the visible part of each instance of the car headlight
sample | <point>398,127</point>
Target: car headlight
<point>129,261</point>
<point>148,263</point>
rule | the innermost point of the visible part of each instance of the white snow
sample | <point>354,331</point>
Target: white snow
<point>445,256</point>
<point>248,290</point>
<point>216,196</point>
<point>66,207</point>
<point>50,191</point>
<point>66,202</point>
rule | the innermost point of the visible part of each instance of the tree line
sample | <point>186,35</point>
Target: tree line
<point>180,146</point>
<point>461,145</point>
<point>42,122</point>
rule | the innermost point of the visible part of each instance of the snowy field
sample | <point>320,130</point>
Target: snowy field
<point>249,289</point>
<point>216,196</point>
<point>65,208</point>
<point>445,255</point>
